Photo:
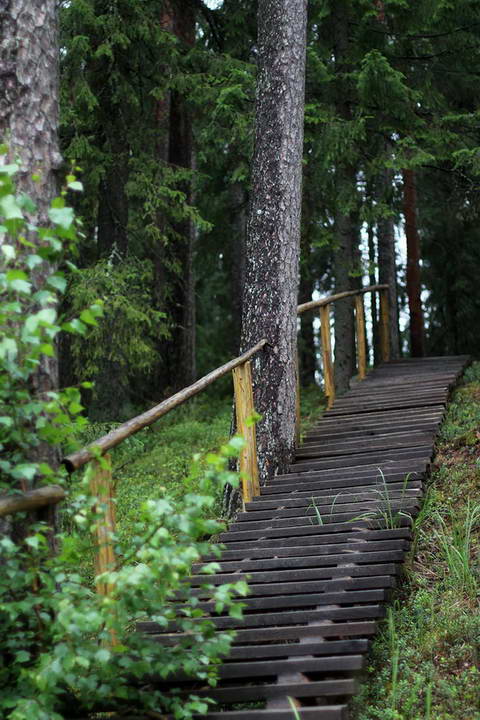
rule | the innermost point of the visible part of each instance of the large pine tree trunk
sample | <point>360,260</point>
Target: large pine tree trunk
<point>29,124</point>
<point>414,289</point>
<point>387,270</point>
<point>273,236</point>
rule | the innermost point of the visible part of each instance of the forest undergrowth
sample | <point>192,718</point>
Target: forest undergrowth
<point>425,662</point>
<point>159,460</point>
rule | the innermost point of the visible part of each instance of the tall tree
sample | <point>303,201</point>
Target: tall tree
<point>29,123</point>
<point>273,234</point>
<point>346,227</point>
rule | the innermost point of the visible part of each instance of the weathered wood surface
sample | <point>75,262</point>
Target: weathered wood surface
<point>322,547</point>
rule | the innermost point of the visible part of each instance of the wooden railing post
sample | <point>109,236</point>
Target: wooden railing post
<point>327,354</point>
<point>384,326</point>
<point>101,487</point>
<point>242,383</point>
<point>361,337</point>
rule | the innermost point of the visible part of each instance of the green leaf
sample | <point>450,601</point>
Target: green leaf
<point>75,185</point>
<point>17,280</point>
<point>87,317</point>
<point>58,282</point>
<point>10,209</point>
<point>24,471</point>
<point>62,216</point>
<point>9,251</point>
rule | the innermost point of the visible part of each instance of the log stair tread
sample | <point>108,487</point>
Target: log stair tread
<point>322,547</point>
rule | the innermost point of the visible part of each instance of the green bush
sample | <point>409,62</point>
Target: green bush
<point>62,645</point>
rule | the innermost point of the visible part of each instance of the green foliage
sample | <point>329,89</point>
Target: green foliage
<point>126,335</point>
<point>62,644</point>
<point>30,285</point>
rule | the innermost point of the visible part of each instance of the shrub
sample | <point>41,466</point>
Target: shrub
<point>64,646</point>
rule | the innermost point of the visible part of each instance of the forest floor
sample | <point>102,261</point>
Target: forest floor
<point>158,460</point>
<point>425,662</point>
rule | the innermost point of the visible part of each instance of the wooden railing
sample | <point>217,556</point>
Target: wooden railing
<point>101,481</point>
<point>323,306</point>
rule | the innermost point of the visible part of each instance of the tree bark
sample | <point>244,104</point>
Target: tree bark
<point>29,124</point>
<point>273,234</point>
<point>344,215</point>
<point>414,289</point>
<point>343,309</point>
<point>174,266</point>
<point>387,270</point>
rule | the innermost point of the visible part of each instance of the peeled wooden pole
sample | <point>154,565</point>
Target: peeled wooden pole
<point>115,437</point>
<point>101,487</point>
<point>328,375</point>
<point>31,500</point>
<point>242,383</point>
<point>384,326</point>
<point>313,304</point>
<point>361,337</point>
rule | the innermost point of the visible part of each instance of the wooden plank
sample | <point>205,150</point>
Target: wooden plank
<point>257,692</point>
<point>316,450</point>
<point>291,602</point>
<point>374,582</point>
<point>315,550</point>
<point>323,628</point>
<point>381,493</point>
<point>333,647</point>
<point>319,488</point>
<point>367,556</point>
<point>272,619</point>
<point>324,712</point>
<point>258,669</point>
<point>298,574</point>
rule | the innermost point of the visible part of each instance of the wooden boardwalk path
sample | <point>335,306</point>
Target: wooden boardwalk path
<point>323,544</point>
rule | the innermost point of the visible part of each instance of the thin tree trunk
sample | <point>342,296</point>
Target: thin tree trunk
<point>417,342</point>
<point>343,309</point>
<point>344,216</point>
<point>113,201</point>
<point>372,259</point>
<point>306,347</point>
<point>238,224</point>
<point>273,236</point>
<point>175,288</point>
<point>387,270</point>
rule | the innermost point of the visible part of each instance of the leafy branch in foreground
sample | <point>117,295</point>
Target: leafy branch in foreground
<point>63,645</point>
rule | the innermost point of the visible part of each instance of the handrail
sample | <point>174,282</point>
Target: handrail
<point>31,500</point>
<point>130,427</point>
<point>101,481</point>
<point>312,304</point>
